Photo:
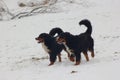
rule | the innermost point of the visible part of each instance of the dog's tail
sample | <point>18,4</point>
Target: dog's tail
<point>55,30</point>
<point>87,23</point>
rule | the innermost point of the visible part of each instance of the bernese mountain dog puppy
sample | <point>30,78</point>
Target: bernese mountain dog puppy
<point>50,46</point>
<point>58,31</point>
<point>76,44</point>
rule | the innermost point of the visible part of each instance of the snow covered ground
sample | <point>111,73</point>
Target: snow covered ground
<point>18,45</point>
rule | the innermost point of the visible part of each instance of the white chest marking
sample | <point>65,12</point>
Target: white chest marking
<point>45,47</point>
<point>68,49</point>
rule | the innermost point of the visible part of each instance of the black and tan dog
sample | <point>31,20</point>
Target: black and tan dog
<point>76,44</point>
<point>50,46</point>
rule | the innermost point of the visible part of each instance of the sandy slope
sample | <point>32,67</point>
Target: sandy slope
<point>18,47</point>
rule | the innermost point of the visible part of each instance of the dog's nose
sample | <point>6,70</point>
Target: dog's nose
<point>36,38</point>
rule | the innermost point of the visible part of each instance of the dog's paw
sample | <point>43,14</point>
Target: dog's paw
<point>72,59</point>
<point>51,63</point>
<point>77,63</point>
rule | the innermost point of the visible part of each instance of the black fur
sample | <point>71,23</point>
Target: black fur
<point>88,25</point>
<point>58,31</point>
<point>55,30</point>
<point>79,43</point>
<point>54,48</point>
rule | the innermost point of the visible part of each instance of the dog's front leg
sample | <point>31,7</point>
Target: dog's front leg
<point>72,56</point>
<point>59,57</point>
<point>78,58</point>
<point>51,63</point>
<point>52,59</point>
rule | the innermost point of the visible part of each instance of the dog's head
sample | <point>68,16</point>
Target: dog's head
<point>41,38</point>
<point>62,38</point>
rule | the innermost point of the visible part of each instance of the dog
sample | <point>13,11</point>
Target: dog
<point>50,46</point>
<point>58,31</point>
<point>76,44</point>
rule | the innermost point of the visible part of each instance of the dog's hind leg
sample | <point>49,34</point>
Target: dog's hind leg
<point>59,57</point>
<point>86,56</point>
<point>92,53</point>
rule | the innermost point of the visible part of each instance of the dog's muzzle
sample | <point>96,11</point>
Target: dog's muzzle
<point>39,40</point>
